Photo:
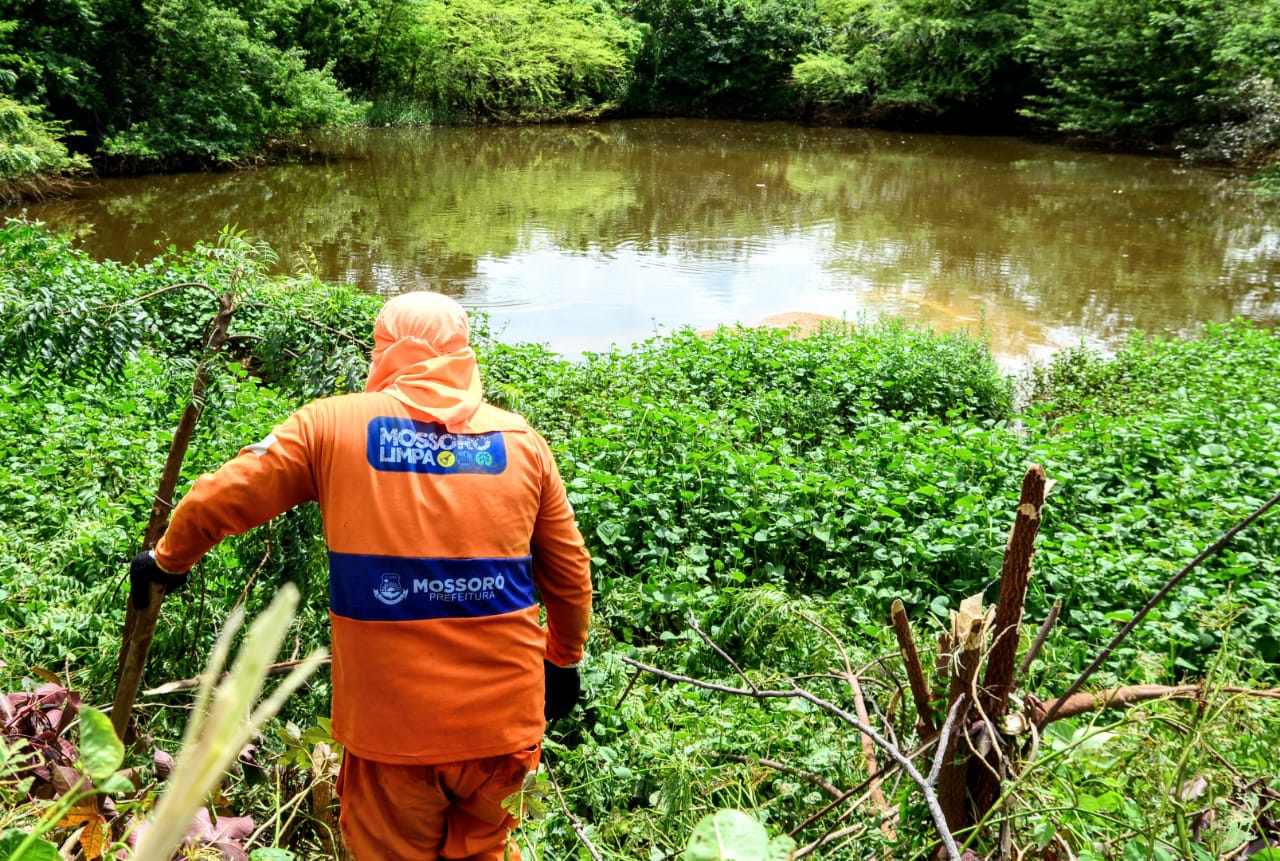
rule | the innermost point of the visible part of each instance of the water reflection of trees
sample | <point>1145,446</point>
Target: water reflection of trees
<point>1086,240</point>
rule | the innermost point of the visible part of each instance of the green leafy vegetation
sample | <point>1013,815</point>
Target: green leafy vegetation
<point>33,158</point>
<point>768,494</point>
<point>165,84</point>
<point>721,56</point>
<point>918,57</point>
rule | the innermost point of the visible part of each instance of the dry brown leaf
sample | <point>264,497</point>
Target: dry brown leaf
<point>93,839</point>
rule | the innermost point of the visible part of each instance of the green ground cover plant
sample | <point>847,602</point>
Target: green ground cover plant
<point>767,494</point>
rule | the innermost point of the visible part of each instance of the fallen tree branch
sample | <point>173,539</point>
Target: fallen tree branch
<point>279,669</point>
<point>915,672</point>
<point>1119,698</point>
<point>574,822</point>
<point>873,767</point>
<point>846,796</point>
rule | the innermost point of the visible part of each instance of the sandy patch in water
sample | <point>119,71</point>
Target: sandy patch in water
<point>802,323</point>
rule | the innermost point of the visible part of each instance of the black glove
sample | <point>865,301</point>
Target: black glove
<point>564,686</point>
<point>143,571</point>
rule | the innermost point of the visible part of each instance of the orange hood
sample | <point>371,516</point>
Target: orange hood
<point>422,358</point>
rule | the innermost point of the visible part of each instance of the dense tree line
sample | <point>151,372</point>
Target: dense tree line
<point>182,83</point>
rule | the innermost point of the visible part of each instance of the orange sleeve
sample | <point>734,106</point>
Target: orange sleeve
<point>264,480</point>
<point>561,568</point>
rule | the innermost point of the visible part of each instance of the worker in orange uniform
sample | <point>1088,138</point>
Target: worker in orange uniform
<point>446,521</point>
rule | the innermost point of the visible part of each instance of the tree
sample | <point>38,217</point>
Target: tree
<point>1122,68</point>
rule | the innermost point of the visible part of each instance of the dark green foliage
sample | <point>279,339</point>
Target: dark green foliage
<point>919,57</point>
<point>219,90</point>
<point>49,51</point>
<point>197,83</point>
<point>165,82</point>
<point>1135,68</point>
<point>721,56</point>
<point>30,148</point>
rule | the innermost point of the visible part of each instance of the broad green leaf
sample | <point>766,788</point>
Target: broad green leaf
<point>38,850</point>
<point>101,751</point>
<point>1109,800</point>
<point>116,784</point>
<point>270,853</point>
<point>609,532</point>
<point>728,835</point>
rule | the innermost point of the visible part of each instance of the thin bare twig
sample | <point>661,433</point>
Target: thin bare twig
<point>889,769</point>
<point>359,342</point>
<point>1156,599</point>
<point>574,822</point>
<point>145,296</point>
<point>873,767</point>
<point>844,656</point>
<point>244,593</point>
<point>940,755</point>
<point>930,797</point>
<point>693,623</point>
<point>1041,636</point>
<point>816,779</point>
<point>279,669</point>
<point>635,677</point>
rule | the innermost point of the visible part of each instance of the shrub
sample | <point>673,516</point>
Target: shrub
<point>32,156</point>
<point>721,56</point>
<point>521,59</point>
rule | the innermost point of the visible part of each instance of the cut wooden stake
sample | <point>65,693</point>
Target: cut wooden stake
<point>942,665</point>
<point>1015,573</point>
<point>915,672</point>
<point>1014,576</point>
<point>140,625</point>
<point>968,638</point>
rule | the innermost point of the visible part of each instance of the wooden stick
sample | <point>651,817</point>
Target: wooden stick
<point>1128,695</point>
<point>1015,573</point>
<point>1041,635</point>
<point>140,625</point>
<point>873,767</point>
<point>915,672</point>
<point>279,669</point>
<point>968,636</point>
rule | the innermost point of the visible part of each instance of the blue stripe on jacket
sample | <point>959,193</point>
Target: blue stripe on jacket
<point>405,589</point>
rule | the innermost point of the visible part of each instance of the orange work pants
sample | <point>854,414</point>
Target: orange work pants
<point>426,812</point>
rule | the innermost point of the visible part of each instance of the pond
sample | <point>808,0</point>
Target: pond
<point>591,235</point>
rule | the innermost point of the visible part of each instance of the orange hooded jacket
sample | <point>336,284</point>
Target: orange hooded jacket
<point>446,521</point>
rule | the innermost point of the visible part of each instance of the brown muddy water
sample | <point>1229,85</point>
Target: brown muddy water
<point>586,236</point>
